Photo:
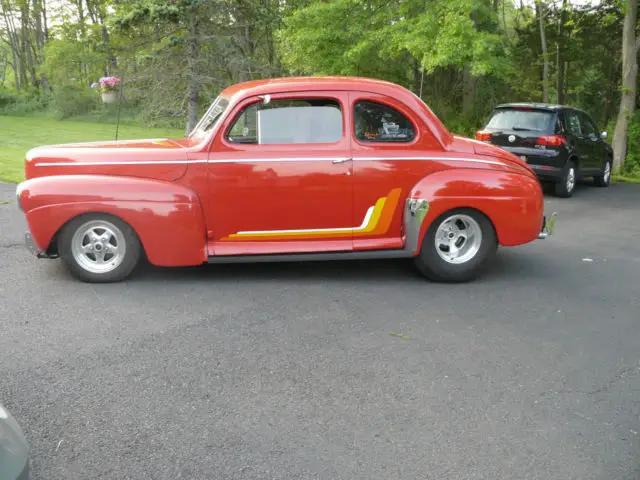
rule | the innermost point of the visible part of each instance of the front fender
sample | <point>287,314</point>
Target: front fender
<point>513,202</point>
<point>167,217</point>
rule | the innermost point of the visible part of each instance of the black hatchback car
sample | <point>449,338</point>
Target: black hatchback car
<point>561,143</point>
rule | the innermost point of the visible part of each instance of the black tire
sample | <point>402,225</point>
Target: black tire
<point>604,179</point>
<point>431,264</point>
<point>565,188</point>
<point>124,233</point>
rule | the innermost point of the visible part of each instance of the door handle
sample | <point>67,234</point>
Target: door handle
<point>341,160</point>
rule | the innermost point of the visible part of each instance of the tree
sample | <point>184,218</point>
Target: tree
<point>630,47</point>
<point>543,43</point>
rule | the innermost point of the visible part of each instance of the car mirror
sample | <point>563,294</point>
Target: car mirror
<point>604,135</point>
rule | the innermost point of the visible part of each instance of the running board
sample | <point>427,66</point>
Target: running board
<point>311,257</point>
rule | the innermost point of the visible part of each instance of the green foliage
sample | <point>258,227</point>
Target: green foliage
<point>71,100</point>
<point>72,63</point>
<point>338,37</point>
<point>7,98</point>
<point>23,103</point>
<point>386,40</point>
<point>632,164</point>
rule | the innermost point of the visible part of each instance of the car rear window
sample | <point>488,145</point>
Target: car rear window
<point>537,120</point>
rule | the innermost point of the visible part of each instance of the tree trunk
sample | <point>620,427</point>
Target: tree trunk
<point>545,52</point>
<point>630,47</point>
<point>37,14</point>
<point>560,64</point>
<point>468,93</point>
<point>193,53</point>
<point>44,20</point>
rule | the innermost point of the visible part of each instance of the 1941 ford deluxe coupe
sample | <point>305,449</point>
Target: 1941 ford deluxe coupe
<point>285,169</point>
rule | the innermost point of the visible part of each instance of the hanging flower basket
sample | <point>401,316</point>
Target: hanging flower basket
<point>109,87</point>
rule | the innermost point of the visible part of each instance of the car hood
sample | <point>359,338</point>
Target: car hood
<point>160,159</point>
<point>468,145</point>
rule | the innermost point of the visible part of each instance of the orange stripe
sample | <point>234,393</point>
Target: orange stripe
<point>387,216</point>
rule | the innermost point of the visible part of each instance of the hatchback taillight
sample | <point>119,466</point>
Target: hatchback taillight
<point>483,136</point>
<point>551,141</point>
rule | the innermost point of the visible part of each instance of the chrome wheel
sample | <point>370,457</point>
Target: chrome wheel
<point>98,246</point>
<point>607,172</point>
<point>458,239</point>
<point>571,179</point>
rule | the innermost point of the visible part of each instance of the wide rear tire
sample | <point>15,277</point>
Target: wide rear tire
<point>99,248</point>
<point>457,246</point>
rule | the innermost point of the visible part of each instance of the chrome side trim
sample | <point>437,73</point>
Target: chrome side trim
<point>431,159</point>
<point>271,160</point>
<point>287,159</point>
<point>100,164</point>
<point>414,213</point>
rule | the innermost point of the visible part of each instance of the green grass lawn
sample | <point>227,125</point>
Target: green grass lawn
<point>625,179</point>
<point>20,134</point>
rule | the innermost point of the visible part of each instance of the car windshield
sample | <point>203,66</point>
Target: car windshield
<point>521,120</point>
<point>209,119</point>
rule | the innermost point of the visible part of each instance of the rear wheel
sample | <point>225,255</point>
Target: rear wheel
<point>457,246</point>
<point>567,185</point>
<point>99,248</point>
<point>604,179</point>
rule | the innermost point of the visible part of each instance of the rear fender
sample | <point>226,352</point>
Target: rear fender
<point>513,203</point>
<point>167,217</point>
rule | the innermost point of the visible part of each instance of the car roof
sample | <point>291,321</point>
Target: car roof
<point>551,107</point>
<point>293,84</point>
<point>536,106</point>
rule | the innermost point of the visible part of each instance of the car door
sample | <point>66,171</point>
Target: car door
<point>594,141</point>
<point>579,143</point>
<point>388,145</point>
<point>280,177</point>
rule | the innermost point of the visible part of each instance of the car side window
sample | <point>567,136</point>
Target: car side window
<point>288,122</point>
<point>573,124</point>
<point>374,122</point>
<point>588,128</point>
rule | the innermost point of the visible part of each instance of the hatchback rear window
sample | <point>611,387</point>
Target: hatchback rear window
<point>521,120</point>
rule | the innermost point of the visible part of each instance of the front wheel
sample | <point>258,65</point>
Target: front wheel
<point>99,248</point>
<point>604,179</point>
<point>457,246</point>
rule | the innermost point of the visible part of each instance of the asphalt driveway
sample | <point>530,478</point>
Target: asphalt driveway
<point>289,371</point>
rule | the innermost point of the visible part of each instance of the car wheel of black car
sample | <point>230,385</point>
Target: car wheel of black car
<point>457,246</point>
<point>567,184</point>
<point>99,248</point>
<point>604,180</point>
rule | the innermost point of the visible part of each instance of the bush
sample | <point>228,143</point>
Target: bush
<point>23,103</point>
<point>7,98</point>
<point>632,163</point>
<point>71,100</point>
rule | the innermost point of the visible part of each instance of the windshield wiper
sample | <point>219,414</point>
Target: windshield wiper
<point>521,129</point>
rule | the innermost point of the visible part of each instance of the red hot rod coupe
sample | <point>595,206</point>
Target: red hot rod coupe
<point>285,169</point>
